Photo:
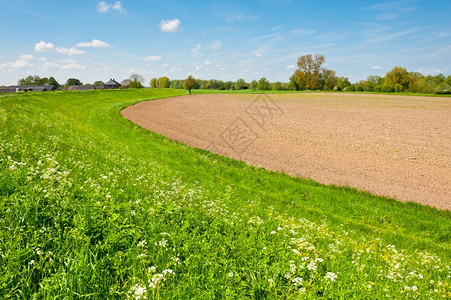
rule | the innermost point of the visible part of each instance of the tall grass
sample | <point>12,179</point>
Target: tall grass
<point>93,206</point>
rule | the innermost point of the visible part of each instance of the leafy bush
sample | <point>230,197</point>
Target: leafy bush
<point>135,85</point>
<point>443,89</point>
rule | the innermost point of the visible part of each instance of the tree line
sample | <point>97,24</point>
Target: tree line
<point>309,75</point>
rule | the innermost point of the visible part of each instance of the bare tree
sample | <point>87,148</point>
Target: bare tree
<point>137,77</point>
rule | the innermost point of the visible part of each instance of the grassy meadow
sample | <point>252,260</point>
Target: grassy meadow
<point>94,207</point>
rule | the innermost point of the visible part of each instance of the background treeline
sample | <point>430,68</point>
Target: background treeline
<point>309,75</point>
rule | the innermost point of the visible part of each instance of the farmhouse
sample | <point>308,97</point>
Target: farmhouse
<point>111,84</point>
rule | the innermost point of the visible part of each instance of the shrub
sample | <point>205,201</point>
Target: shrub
<point>443,89</point>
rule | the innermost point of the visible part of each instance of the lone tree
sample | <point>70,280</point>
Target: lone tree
<point>189,83</point>
<point>308,74</point>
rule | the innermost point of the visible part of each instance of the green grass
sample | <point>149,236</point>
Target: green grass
<point>93,206</point>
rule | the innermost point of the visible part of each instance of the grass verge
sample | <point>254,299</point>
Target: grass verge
<point>93,206</point>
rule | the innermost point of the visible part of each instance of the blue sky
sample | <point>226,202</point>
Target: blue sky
<point>227,40</point>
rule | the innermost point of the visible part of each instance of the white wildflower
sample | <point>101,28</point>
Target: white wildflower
<point>176,260</point>
<point>230,274</point>
<point>142,243</point>
<point>168,271</point>
<point>330,275</point>
<point>297,281</point>
<point>163,243</point>
<point>312,266</point>
<point>138,292</point>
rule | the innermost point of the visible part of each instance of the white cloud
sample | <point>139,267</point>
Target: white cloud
<point>207,62</point>
<point>118,6</point>
<point>430,71</point>
<point>18,64</point>
<point>26,57</point>
<point>152,58</point>
<point>70,51</point>
<point>104,7</point>
<point>215,45</point>
<point>72,66</point>
<point>197,68</point>
<point>291,67</point>
<point>240,17</point>
<point>170,25</point>
<point>50,65</point>
<point>44,47</point>
<point>93,44</point>
<point>303,32</point>
<point>196,49</point>
<point>376,67</point>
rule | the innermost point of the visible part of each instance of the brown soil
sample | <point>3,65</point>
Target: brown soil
<point>396,146</point>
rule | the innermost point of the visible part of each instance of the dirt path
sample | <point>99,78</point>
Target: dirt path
<point>395,146</point>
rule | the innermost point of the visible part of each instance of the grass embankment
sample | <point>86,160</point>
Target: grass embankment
<point>93,206</point>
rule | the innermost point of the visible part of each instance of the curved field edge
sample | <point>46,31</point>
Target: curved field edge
<point>91,205</point>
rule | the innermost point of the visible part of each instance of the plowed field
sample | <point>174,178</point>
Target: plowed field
<point>396,146</point>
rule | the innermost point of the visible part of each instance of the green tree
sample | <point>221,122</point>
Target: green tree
<point>371,82</point>
<point>398,78</point>
<point>263,84</point>
<point>163,82</point>
<point>99,82</point>
<point>52,81</point>
<point>240,84</point>
<point>35,80</point>
<point>342,83</point>
<point>253,85</point>
<point>229,85</point>
<point>153,83</point>
<point>328,79</point>
<point>189,83</point>
<point>308,74</point>
<point>73,81</point>
<point>277,86</point>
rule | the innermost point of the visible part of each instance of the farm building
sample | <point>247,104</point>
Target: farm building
<point>111,84</point>
<point>28,88</point>
<point>87,87</point>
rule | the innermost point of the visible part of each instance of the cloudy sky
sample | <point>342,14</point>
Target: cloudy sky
<point>99,40</point>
